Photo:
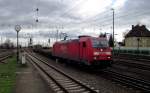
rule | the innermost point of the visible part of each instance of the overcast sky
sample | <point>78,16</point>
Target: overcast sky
<point>74,17</point>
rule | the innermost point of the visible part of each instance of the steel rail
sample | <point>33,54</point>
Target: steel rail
<point>132,63</point>
<point>75,82</point>
<point>128,80</point>
<point>4,57</point>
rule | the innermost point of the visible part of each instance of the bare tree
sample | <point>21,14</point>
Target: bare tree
<point>7,44</point>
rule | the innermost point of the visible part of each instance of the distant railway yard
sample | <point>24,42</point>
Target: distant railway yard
<point>43,73</point>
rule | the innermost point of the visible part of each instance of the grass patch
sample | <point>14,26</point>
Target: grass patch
<point>8,75</point>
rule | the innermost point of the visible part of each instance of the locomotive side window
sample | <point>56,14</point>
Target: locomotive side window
<point>84,44</point>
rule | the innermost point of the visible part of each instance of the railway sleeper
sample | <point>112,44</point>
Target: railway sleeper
<point>77,90</point>
<point>69,84</point>
<point>74,85</point>
<point>66,81</point>
<point>73,88</point>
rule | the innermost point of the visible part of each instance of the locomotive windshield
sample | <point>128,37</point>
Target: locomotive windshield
<point>97,43</point>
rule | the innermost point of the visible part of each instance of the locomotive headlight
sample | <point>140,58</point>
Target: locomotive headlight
<point>108,57</point>
<point>95,58</point>
<point>96,53</point>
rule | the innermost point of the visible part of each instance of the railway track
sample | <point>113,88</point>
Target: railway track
<point>128,80</point>
<point>146,61</point>
<point>134,57</point>
<point>5,56</point>
<point>136,72</point>
<point>58,80</point>
<point>132,63</point>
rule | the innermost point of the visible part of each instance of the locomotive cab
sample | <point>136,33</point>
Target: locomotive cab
<point>102,53</point>
<point>95,51</point>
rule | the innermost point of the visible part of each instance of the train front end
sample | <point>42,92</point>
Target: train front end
<point>102,53</point>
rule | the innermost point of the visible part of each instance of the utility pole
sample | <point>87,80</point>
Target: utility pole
<point>49,41</point>
<point>1,38</point>
<point>138,39</point>
<point>57,35</point>
<point>113,27</point>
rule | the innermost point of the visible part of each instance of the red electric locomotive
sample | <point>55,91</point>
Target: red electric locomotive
<point>89,50</point>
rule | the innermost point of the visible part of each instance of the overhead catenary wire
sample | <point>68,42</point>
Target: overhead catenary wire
<point>70,9</point>
<point>130,19</point>
<point>108,21</point>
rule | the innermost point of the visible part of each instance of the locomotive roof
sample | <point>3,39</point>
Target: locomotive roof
<point>77,40</point>
<point>66,41</point>
<point>83,36</point>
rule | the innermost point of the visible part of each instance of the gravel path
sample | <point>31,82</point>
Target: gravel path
<point>29,81</point>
